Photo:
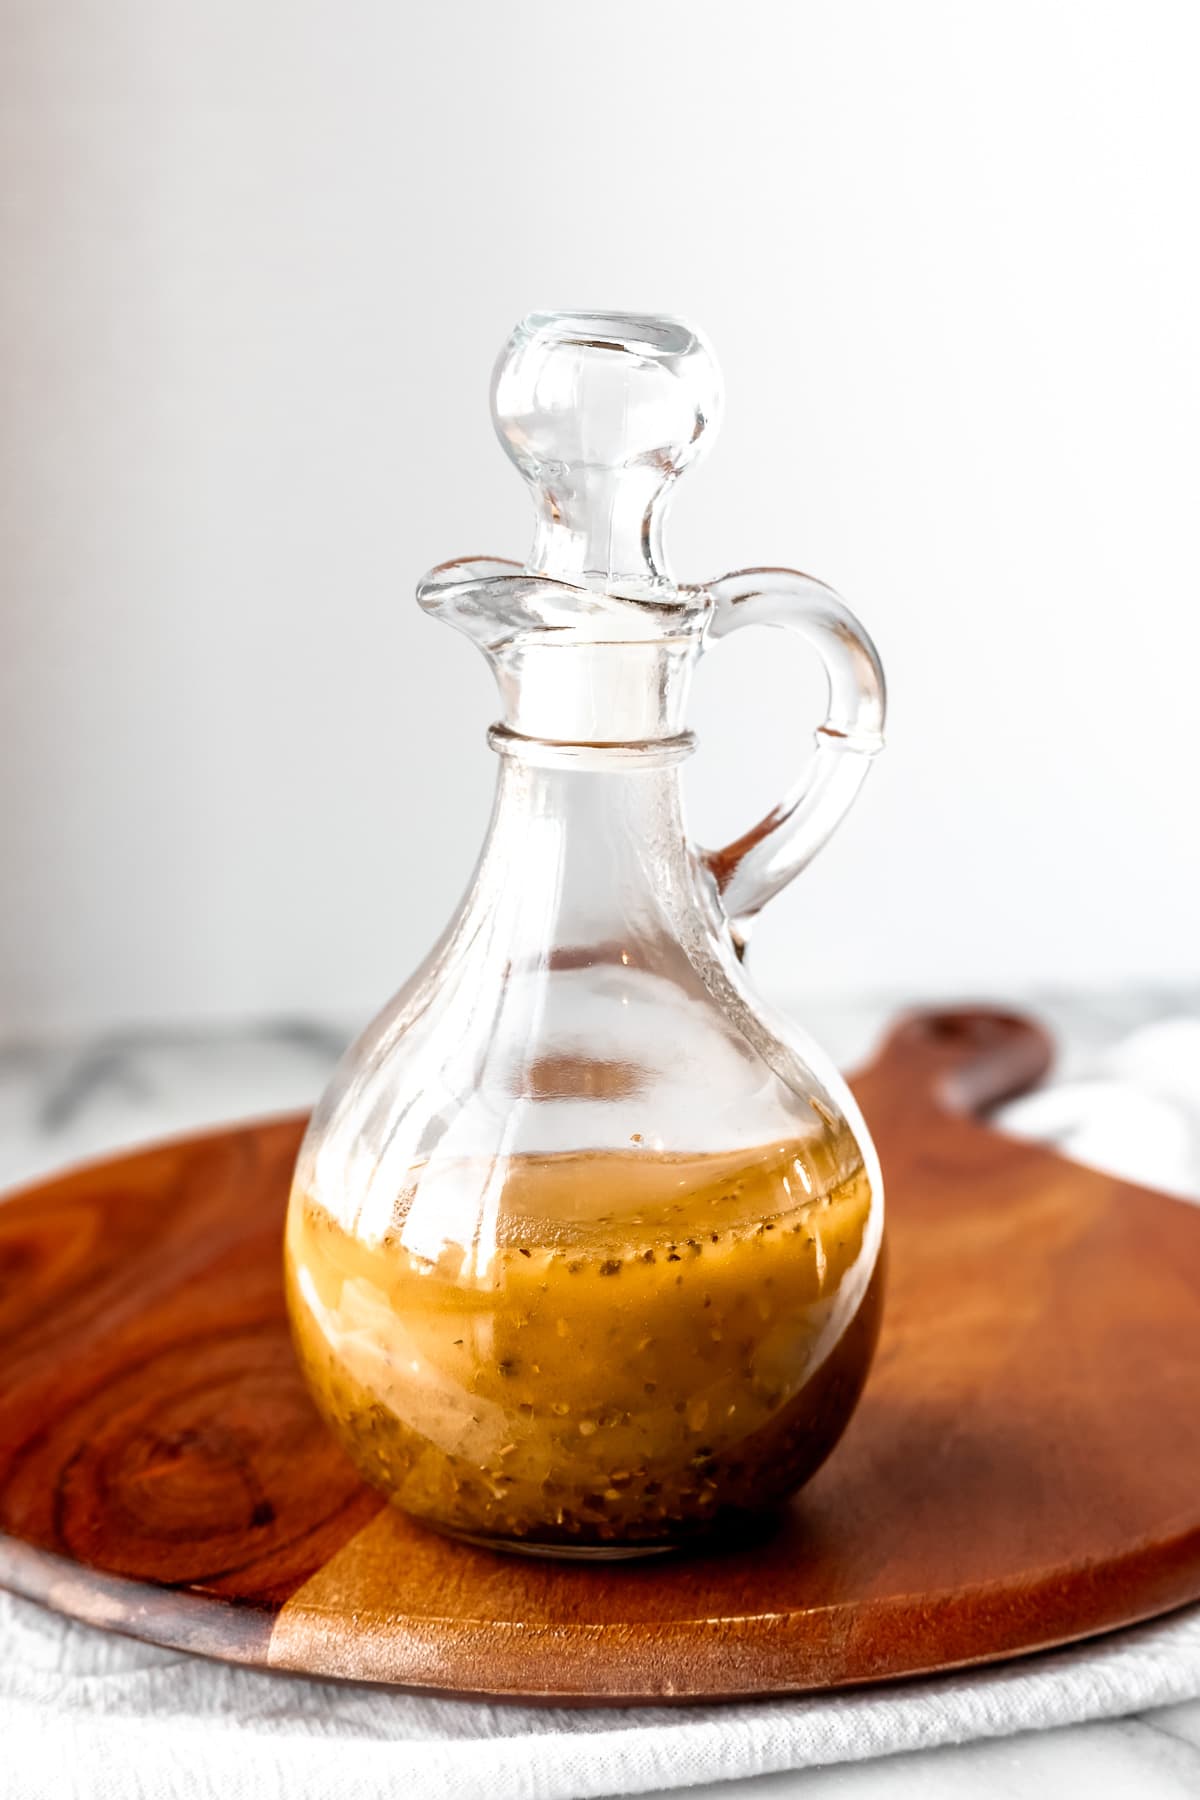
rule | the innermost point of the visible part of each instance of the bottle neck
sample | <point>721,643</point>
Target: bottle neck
<point>594,846</point>
<point>576,665</point>
<point>594,694</point>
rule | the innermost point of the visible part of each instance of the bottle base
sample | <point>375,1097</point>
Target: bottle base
<point>560,1552</point>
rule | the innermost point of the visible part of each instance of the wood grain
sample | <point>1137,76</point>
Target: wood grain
<point>1022,1470</point>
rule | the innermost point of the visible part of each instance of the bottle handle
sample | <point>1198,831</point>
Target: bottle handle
<point>752,870</point>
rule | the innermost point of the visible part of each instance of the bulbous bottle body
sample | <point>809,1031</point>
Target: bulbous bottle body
<point>584,1251</point>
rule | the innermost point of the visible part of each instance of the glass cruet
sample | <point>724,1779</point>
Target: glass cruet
<point>583,1251</point>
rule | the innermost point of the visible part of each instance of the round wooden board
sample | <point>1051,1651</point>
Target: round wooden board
<point>1022,1470</point>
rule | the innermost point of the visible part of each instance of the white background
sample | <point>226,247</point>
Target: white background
<point>256,257</point>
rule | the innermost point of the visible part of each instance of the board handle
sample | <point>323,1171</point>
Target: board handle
<point>968,1058</point>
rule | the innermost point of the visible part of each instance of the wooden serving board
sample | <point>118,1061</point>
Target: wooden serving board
<point>1023,1470</point>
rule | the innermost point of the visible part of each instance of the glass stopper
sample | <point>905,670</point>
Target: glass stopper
<point>601,412</point>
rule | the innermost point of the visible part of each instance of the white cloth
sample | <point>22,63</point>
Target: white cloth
<point>90,1717</point>
<point>1136,1114</point>
<point>87,1716</point>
